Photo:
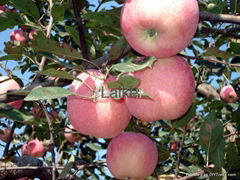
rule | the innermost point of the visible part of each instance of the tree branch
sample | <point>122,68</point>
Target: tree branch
<point>225,32</point>
<point>5,153</point>
<point>225,18</point>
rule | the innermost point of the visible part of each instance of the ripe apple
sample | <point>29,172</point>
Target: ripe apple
<point>131,155</point>
<point>173,146</point>
<point>159,28</point>
<point>100,117</point>
<point>35,148</point>
<point>7,85</point>
<point>170,84</point>
<point>18,35</point>
<point>31,34</point>
<point>228,94</point>
<point>24,150</point>
<point>3,9</point>
<point>5,136</point>
<point>70,136</point>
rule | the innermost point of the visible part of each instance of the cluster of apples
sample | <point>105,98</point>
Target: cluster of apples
<point>151,30</point>
<point>34,148</point>
<point>21,36</point>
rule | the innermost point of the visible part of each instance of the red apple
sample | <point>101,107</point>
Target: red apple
<point>7,85</point>
<point>70,135</point>
<point>18,35</point>
<point>173,146</point>
<point>228,94</point>
<point>159,28</point>
<point>23,178</point>
<point>131,155</point>
<point>24,150</point>
<point>170,84</point>
<point>3,9</point>
<point>31,34</point>
<point>35,148</point>
<point>102,117</point>
<point>6,135</point>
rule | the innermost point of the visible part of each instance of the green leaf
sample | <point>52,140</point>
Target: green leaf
<point>218,173</point>
<point>5,106</point>
<point>55,73</point>
<point>232,156</point>
<point>67,168</point>
<point>63,50</point>
<point>48,93</point>
<point>214,51</point>
<point>27,6</point>
<point>58,11</point>
<point>132,67</point>
<point>11,57</point>
<point>73,33</point>
<point>163,153</point>
<point>9,20</point>
<point>117,49</point>
<point>94,146</point>
<point>217,156</point>
<point>183,121</point>
<point>211,133</point>
<point>128,81</point>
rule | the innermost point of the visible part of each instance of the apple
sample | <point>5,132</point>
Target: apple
<point>35,148</point>
<point>18,35</point>
<point>6,135</point>
<point>24,150</point>
<point>173,146</point>
<point>31,34</point>
<point>100,117</point>
<point>170,84</point>
<point>159,28</point>
<point>11,84</point>
<point>23,178</point>
<point>228,94</point>
<point>131,155</point>
<point>3,9</point>
<point>70,136</point>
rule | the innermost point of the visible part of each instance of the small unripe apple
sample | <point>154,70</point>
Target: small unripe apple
<point>18,35</point>
<point>5,136</point>
<point>228,94</point>
<point>70,135</point>
<point>8,85</point>
<point>160,28</point>
<point>24,150</point>
<point>3,9</point>
<point>101,117</point>
<point>31,34</point>
<point>170,84</point>
<point>132,155</point>
<point>35,148</point>
<point>173,146</point>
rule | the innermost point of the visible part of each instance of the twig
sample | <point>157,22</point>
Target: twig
<point>180,151</point>
<point>52,143</point>
<point>5,153</point>
<point>225,32</point>
<point>79,21</point>
<point>225,18</point>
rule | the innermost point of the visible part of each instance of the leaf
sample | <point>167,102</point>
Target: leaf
<point>94,146</point>
<point>232,156</point>
<point>163,153</point>
<point>217,156</point>
<point>117,49</point>
<point>73,33</point>
<point>214,51</point>
<point>5,106</point>
<point>55,73</point>
<point>211,133</point>
<point>58,11</point>
<point>9,20</point>
<point>128,81</point>
<point>27,6</point>
<point>63,50</point>
<point>67,168</point>
<point>132,67</point>
<point>10,49</point>
<point>48,93</point>
<point>183,121</point>
<point>11,57</point>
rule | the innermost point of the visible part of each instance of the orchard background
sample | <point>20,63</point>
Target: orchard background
<point>76,35</point>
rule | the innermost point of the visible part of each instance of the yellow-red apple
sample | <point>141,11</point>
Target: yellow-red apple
<point>101,117</point>
<point>70,135</point>
<point>35,148</point>
<point>24,150</point>
<point>10,84</point>
<point>160,28</point>
<point>18,35</point>
<point>3,9</point>
<point>31,34</point>
<point>132,155</point>
<point>228,94</point>
<point>170,84</point>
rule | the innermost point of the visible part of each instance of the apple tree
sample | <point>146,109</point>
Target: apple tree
<point>58,122</point>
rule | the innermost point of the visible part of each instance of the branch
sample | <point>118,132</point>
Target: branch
<point>225,32</point>
<point>5,153</point>
<point>225,18</point>
<point>208,91</point>
<point>83,46</point>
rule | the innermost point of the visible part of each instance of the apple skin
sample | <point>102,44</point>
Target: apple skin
<point>228,94</point>
<point>131,155</point>
<point>35,148</point>
<point>31,34</point>
<point>159,28</point>
<point>3,9</point>
<point>171,85</point>
<point>70,137</point>
<point>5,136</point>
<point>104,117</point>
<point>18,35</point>
<point>8,85</point>
<point>24,150</point>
